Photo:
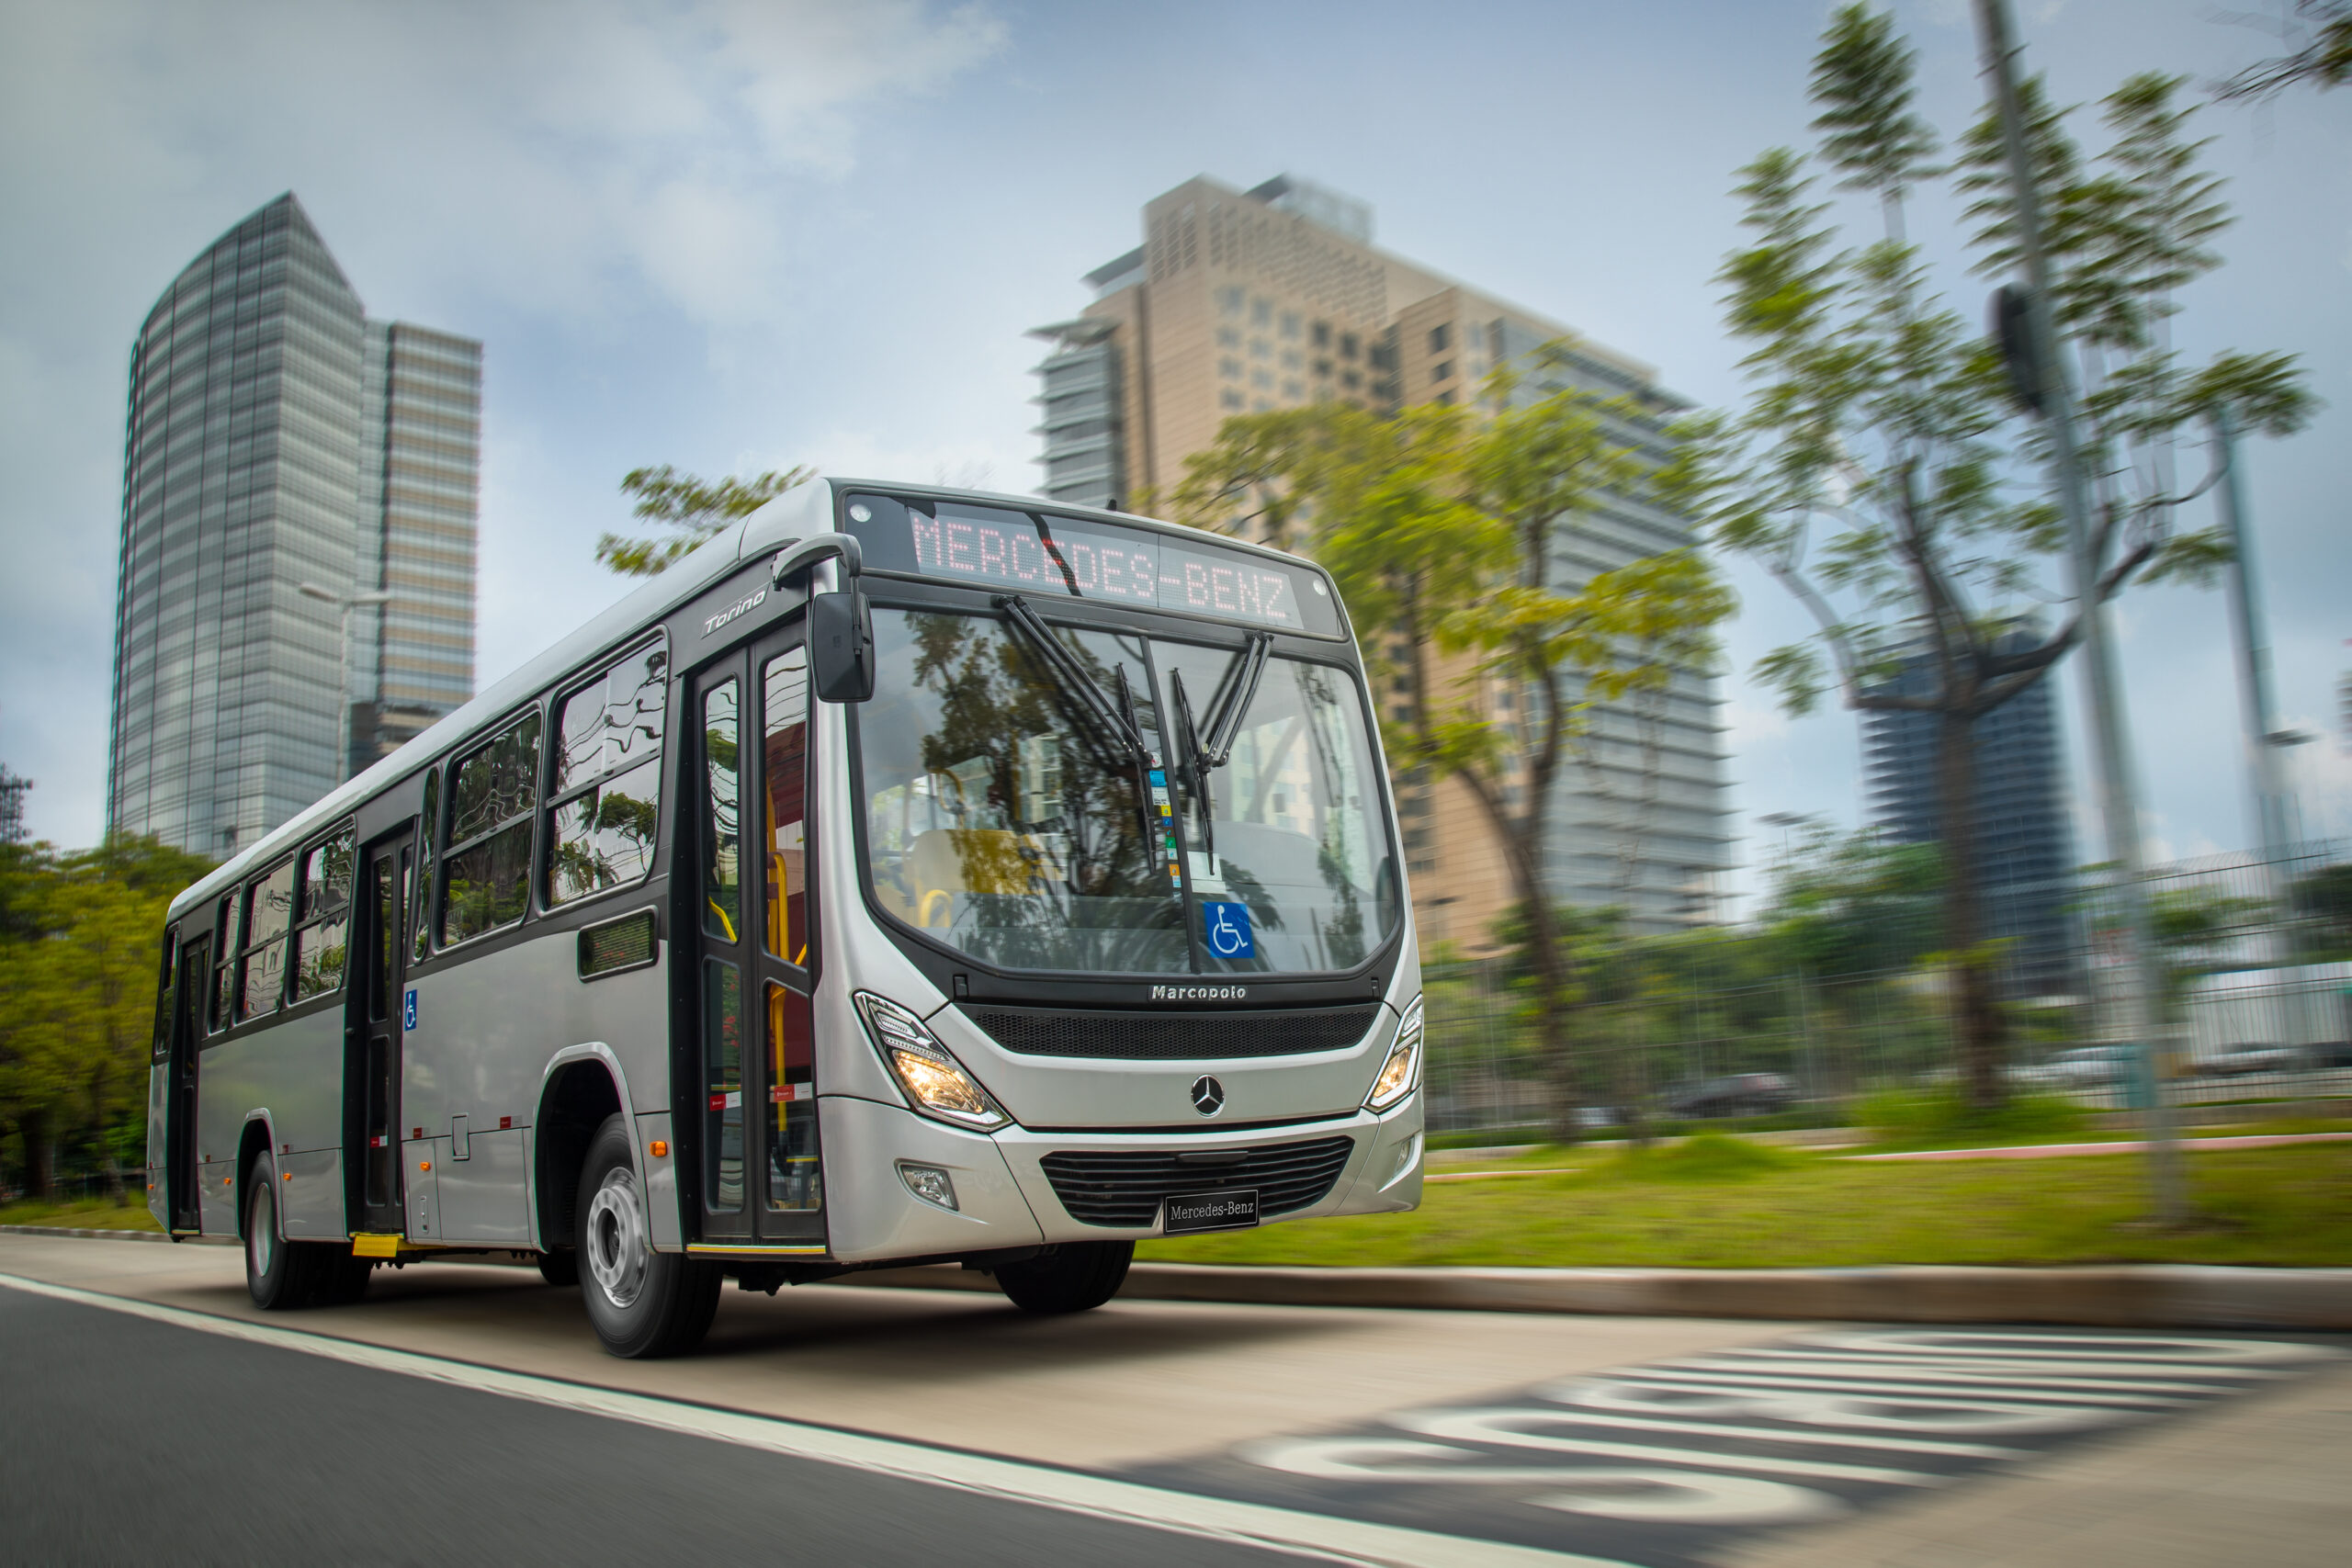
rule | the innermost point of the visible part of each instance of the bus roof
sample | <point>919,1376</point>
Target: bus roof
<point>799,513</point>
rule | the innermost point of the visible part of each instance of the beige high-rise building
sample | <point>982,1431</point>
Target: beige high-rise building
<point>1277,298</point>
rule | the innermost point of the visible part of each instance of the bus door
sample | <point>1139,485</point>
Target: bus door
<point>759,1175</point>
<point>373,1034</point>
<point>186,1046</point>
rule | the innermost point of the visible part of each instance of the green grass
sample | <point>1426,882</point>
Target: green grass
<point>2289,1206</point>
<point>1942,1118</point>
<point>79,1214</point>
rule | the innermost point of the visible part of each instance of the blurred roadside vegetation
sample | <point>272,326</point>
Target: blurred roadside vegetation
<point>79,959</point>
<point>1838,981</point>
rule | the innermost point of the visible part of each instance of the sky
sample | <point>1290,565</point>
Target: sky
<point>732,235</point>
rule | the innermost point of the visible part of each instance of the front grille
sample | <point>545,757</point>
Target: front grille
<point>1173,1036</point>
<point>1123,1188</point>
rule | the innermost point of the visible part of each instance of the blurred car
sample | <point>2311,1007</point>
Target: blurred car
<point>2241,1060</point>
<point>1741,1094</point>
<point>2086,1066</point>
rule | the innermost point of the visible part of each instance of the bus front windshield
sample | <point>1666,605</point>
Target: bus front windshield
<point>1055,811</point>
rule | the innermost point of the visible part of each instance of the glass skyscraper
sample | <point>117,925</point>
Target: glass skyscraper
<point>245,478</point>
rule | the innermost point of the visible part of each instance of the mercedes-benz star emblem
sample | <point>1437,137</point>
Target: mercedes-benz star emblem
<point>1208,1096</point>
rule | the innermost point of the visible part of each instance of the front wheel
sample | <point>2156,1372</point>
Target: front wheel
<point>1075,1277</point>
<point>643,1302</point>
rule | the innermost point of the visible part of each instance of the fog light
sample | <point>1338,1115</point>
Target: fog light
<point>929,1183</point>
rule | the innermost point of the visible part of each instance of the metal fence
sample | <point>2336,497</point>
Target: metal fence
<point>2257,957</point>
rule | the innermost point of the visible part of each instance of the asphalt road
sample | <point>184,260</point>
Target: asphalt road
<point>148,1413</point>
<point>132,1441</point>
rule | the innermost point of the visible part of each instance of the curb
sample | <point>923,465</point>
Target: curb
<point>2159,1295</point>
<point>2144,1295</point>
<point>103,1236</point>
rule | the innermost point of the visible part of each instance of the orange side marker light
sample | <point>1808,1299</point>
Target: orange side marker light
<point>660,1149</point>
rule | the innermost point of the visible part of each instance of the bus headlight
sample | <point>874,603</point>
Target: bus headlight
<point>934,1080</point>
<point>1401,1073</point>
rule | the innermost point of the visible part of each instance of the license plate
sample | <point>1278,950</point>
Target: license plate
<point>1209,1211</point>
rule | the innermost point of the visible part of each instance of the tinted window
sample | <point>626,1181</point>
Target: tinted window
<point>486,878</point>
<point>608,775</point>
<point>785,772</point>
<point>722,912</point>
<point>326,911</point>
<point>269,913</point>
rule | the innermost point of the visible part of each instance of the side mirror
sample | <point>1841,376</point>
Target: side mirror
<point>841,646</point>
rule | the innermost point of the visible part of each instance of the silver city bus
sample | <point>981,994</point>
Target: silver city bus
<point>906,876</point>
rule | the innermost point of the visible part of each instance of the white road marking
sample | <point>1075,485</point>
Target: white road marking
<point>2056,1376</point>
<point>1327,1537</point>
<point>1873,1419</point>
<point>1494,1426</point>
<point>1644,1497</point>
<point>1734,1382</point>
<point>1780,1434</point>
<point>2209,1355</point>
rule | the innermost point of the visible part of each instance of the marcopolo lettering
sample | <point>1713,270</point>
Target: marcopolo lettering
<point>1200,993</point>
<point>740,607</point>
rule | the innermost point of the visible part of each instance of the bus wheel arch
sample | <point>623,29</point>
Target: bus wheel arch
<point>574,1102</point>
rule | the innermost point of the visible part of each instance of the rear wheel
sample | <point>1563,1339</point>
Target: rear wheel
<point>283,1276</point>
<point>643,1302</point>
<point>1074,1277</point>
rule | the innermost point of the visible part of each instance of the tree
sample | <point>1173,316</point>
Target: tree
<point>1438,523</point>
<point>2324,57</point>
<point>1871,472</point>
<point>697,509</point>
<point>79,959</point>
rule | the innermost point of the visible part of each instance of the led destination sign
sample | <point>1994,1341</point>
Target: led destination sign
<point>998,548</point>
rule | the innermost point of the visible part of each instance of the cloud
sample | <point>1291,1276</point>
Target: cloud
<point>538,152</point>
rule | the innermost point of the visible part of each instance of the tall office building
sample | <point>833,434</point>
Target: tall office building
<point>420,441</point>
<point>2024,836</point>
<point>243,484</point>
<point>1277,298</point>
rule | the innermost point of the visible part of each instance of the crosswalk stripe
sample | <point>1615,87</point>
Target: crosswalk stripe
<point>1733,1382</point>
<point>1482,1426</point>
<point>2057,1375</point>
<point>1791,1435</point>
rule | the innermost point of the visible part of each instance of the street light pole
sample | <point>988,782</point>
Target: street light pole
<point>346,603</point>
<point>2118,793</point>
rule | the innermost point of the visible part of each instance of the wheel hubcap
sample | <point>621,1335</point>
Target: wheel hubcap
<point>616,1240</point>
<point>261,1234</point>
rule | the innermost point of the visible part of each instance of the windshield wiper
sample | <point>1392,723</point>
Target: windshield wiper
<point>1112,726</point>
<point>1205,751</point>
<point>1114,722</point>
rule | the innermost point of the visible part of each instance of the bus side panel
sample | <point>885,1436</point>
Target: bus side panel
<point>293,1068</point>
<point>487,1027</point>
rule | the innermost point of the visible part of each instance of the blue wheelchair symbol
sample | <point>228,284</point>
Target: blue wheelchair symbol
<point>407,1010</point>
<point>1229,929</point>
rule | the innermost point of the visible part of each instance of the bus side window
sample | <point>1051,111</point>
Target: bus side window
<point>269,911</point>
<point>227,942</point>
<point>604,810</point>
<point>785,681</point>
<point>325,913</point>
<point>493,797</point>
<point>429,834</point>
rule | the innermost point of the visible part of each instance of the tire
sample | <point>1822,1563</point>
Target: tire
<point>642,1303</point>
<point>1075,1277</point>
<point>282,1276</point>
<point>560,1267</point>
<point>344,1278</point>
